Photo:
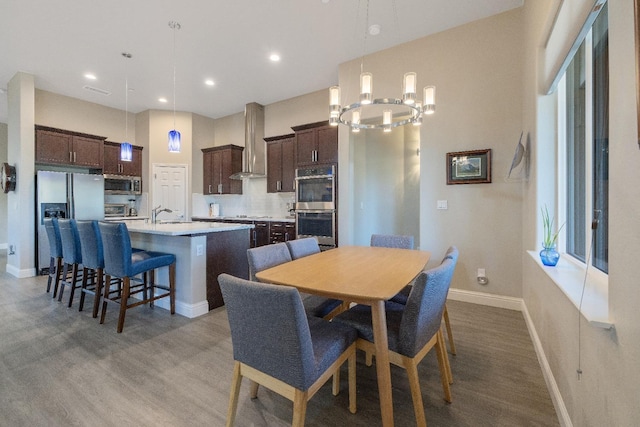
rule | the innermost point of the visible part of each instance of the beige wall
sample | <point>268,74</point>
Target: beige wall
<point>63,112</point>
<point>607,393</point>
<point>3,197</point>
<point>477,71</point>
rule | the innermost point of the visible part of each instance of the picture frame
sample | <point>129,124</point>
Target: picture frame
<point>469,167</point>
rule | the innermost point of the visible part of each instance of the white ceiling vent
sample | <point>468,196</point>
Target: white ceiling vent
<point>96,90</point>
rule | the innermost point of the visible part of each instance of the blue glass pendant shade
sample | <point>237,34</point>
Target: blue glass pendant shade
<point>126,152</point>
<point>174,141</point>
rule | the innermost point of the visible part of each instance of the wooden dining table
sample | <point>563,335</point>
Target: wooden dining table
<point>360,274</point>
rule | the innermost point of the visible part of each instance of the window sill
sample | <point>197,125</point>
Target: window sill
<point>570,279</point>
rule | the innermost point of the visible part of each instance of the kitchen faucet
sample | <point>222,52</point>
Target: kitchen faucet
<point>155,211</point>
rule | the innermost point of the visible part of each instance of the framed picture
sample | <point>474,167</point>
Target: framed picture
<point>469,167</point>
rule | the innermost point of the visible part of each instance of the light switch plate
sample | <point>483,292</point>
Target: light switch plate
<point>442,204</point>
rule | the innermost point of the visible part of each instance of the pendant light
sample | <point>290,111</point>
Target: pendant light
<point>126,149</point>
<point>174,135</point>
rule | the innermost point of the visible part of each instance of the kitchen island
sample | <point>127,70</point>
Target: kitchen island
<point>203,250</point>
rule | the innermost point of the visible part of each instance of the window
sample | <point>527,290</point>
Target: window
<point>583,106</point>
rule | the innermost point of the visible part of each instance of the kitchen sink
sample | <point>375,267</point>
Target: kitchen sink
<point>171,221</point>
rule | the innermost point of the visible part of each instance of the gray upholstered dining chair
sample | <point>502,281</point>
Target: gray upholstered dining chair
<point>402,296</point>
<point>55,252</point>
<point>284,350</point>
<point>413,329</point>
<point>314,305</point>
<point>392,241</point>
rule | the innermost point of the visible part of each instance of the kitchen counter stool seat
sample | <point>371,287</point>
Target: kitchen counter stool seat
<point>121,261</point>
<point>55,250</point>
<point>71,257</point>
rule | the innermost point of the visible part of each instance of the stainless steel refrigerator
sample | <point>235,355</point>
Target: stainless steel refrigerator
<point>65,195</point>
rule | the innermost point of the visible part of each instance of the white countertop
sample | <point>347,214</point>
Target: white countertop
<point>125,218</point>
<point>183,228</point>
<point>247,218</point>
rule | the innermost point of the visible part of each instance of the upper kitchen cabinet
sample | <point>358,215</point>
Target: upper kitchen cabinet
<point>114,166</point>
<point>316,143</point>
<point>219,163</point>
<point>56,146</point>
<point>281,163</point>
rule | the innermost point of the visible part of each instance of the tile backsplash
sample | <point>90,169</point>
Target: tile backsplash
<point>254,200</point>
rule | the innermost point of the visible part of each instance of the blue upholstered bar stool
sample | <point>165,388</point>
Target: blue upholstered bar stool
<point>55,250</point>
<point>120,261</point>
<point>92,263</point>
<point>71,257</point>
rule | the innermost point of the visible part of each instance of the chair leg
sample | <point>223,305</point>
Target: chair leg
<point>98,291</point>
<point>299,408</point>
<point>51,272</point>
<point>368,358</point>
<point>352,383</point>
<point>235,394</point>
<point>63,280</point>
<point>445,356</point>
<point>414,384</point>
<point>253,389</point>
<point>56,284</point>
<point>452,346</point>
<point>149,286</point>
<point>83,286</point>
<point>74,280</point>
<point>124,301</point>
<point>105,297</point>
<point>172,287</point>
<point>441,353</point>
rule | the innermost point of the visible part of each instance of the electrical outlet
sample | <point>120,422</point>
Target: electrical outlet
<point>442,204</point>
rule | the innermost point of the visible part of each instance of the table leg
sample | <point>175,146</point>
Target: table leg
<point>383,368</point>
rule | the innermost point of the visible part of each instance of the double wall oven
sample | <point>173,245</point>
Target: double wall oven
<point>316,204</point>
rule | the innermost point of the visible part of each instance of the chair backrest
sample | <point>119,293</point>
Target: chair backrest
<point>267,256</point>
<point>91,243</point>
<point>423,313</point>
<point>303,247</point>
<point>392,241</point>
<point>117,248</point>
<point>53,233</point>
<point>71,248</point>
<point>452,253</point>
<point>269,329</point>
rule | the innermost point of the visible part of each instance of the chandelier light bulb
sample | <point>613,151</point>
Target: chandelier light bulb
<point>334,105</point>
<point>386,120</point>
<point>366,88</point>
<point>429,99</point>
<point>356,120</point>
<point>409,88</point>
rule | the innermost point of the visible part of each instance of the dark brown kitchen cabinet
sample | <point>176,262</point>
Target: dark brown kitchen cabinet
<point>281,232</point>
<point>261,233</point>
<point>281,163</point>
<point>57,146</point>
<point>219,163</point>
<point>316,143</point>
<point>114,166</point>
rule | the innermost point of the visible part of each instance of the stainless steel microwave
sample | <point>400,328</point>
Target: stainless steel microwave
<point>121,184</point>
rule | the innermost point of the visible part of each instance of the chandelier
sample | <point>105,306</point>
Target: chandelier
<point>126,149</point>
<point>174,135</point>
<point>381,113</point>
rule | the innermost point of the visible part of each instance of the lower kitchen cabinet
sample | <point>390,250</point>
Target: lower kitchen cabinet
<point>281,231</point>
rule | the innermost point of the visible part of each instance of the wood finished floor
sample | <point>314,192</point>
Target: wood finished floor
<point>60,367</point>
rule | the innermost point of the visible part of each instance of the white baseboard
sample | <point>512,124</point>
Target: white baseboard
<point>20,274</point>
<point>184,309</point>
<point>490,300</point>
<point>518,304</point>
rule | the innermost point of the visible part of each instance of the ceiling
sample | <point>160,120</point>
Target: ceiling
<point>226,41</point>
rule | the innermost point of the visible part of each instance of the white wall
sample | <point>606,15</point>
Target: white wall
<point>607,393</point>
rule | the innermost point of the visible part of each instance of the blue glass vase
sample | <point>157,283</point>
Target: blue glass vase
<point>549,256</point>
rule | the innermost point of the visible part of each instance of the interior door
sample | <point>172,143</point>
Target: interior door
<point>170,191</point>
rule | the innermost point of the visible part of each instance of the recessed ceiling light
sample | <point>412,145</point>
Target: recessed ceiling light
<point>274,57</point>
<point>90,76</point>
<point>162,99</point>
<point>209,82</point>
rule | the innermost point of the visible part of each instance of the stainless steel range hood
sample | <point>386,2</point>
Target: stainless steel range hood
<point>254,145</point>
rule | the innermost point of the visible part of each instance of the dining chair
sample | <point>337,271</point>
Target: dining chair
<point>71,258</point>
<point>92,263</point>
<point>315,305</point>
<point>284,350</point>
<point>413,329</point>
<point>55,251</point>
<point>122,262</point>
<point>402,296</point>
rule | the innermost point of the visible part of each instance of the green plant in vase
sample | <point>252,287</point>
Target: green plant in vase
<point>549,255</point>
